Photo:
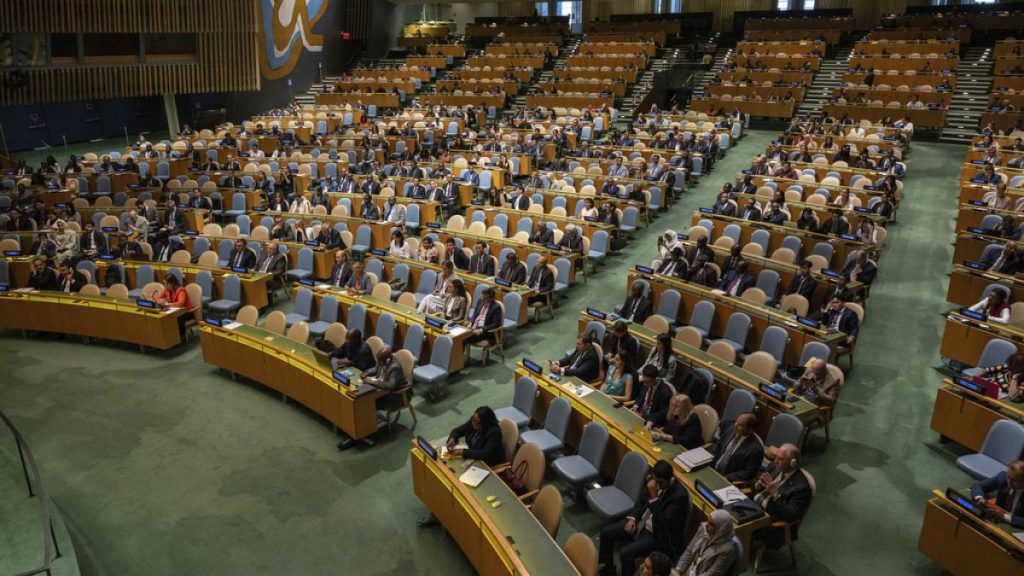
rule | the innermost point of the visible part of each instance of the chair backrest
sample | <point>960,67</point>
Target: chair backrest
<point>668,305</point>
<point>547,508</point>
<point>689,335</point>
<point>386,329</point>
<point>996,352</point>
<point>631,474</point>
<point>737,547</point>
<point>441,354</point>
<point>275,322</point>
<point>794,303</point>
<point>299,331</point>
<point>535,464</point>
<point>785,429</point>
<point>375,345</point>
<point>702,316</point>
<point>116,291</point>
<point>763,364</point>
<point>582,552</point>
<point>335,333</point>
<point>232,288</point>
<point>657,323</point>
<point>247,315</point>
<point>525,395</point>
<point>1004,441</point>
<point>774,341</point>
<point>414,340</point>
<point>356,319</point>
<point>593,443</point>
<point>509,433</point>
<point>708,421</point>
<point>723,351</point>
<point>739,401</point>
<point>738,327</point>
<point>557,420</point>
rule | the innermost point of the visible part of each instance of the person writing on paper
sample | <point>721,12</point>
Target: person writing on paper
<point>784,492</point>
<point>681,424</point>
<point>359,282</point>
<point>994,306</point>
<point>482,435</point>
<point>1009,495</point>
<point>353,352</point>
<point>739,451</point>
<point>710,552</point>
<point>388,376</point>
<point>654,398</point>
<point>583,362</point>
<point>618,383</point>
<point>173,294</point>
<point>656,524</point>
<point>817,384</point>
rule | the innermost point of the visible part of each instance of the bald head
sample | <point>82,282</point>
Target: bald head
<point>746,424</point>
<point>818,366</point>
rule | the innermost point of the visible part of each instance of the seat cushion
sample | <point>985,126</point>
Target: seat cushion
<point>609,501</point>
<point>512,414</point>
<point>574,469</point>
<point>429,374</point>
<point>292,318</point>
<point>732,344</point>
<point>225,305</point>
<point>595,254</point>
<point>509,324</point>
<point>980,466</point>
<point>299,273</point>
<point>544,440</point>
<point>319,327</point>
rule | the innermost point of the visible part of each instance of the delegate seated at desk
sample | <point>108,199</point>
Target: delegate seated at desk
<point>739,451</point>
<point>386,375</point>
<point>861,268</point>
<point>656,524</point>
<point>840,318</point>
<point>486,318</point>
<point>1009,260</point>
<point>583,362</point>
<point>541,281</point>
<point>637,306</point>
<point>711,551</point>
<point>42,277</point>
<point>802,283</point>
<point>69,279</point>
<point>359,282</point>
<point>1009,376</point>
<point>653,401</point>
<point>455,256</point>
<point>681,424</point>
<point>1008,487</point>
<point>482,263</point>
<point>994,306</point>
<point>241,256</point>
<point>353,352</point>
<point>512,270</point>
<point>617,339</point>
<point>483,438</point>
<point>272,262</point>
<point>785,494</point>
<point>341,271</point>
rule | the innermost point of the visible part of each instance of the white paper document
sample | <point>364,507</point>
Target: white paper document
<point>474,476</point>
<point>730,494</point>
<point>695,458</point>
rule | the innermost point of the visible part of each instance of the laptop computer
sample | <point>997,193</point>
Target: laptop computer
<point>645,434</point>
<point>322,357</point>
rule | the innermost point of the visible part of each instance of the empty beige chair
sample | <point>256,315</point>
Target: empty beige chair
<point>817,262</point>
<point>456,223</point>
<point>785,254</point>
<point>213,230</point>
<point>275,322</point>
<point>10,244</point>
<point>547,509</point>
<point>582,552</point>
<point>247,315</point>
<point>724,242</point>
<point>382,290</point>
<point>794,303</point>
<point>208,258</point>
<point>723,351</point>
<point>478,228</point>
<point>708,421</point>
<point>375,344</point>
<point>690,336</point>
<point>117,291</point>
<point>755,295</point>
<point>407,299</point>
<point>753,249</point>
<point>1016,314</point>
<point>336,333</point>
<point>509,437</point>
<point>181,257</point>
<point>762,364</point>
<point>90,290</point>
<point>657,323</point>
<point>299,331</point>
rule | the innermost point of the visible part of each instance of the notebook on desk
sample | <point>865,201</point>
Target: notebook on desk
<point>694,459</point>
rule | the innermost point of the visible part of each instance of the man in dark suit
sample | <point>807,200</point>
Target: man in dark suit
<point>519,201</point>
<point>583,362</point>
<point>435,193</point>
<point>42,277</point>
<point>330,238</point>
<point>637,306</point>
<point>342,270</point>
<point>610,188</point>
<point>166,246</point>
<point>512,270</point>
<point>656,524</point>
<point>91,243</point>
<point>836,225</point>
<point>241,256</point>
<point>675,265</point>
<point>174,218</point>
<point>861,268</point>
<point>739,451</point>
<point>485,319</point>
<point>353,352</point>
<point>784,493</point>
<point>724,206</point>
<point>1009,490</point>
<point>571,240</point>
<point>803,283</point>
<point>736,281</point>
<point>654,397</point>
<point>231,181</point>
<point>840,318</point>
<point>701,248</point>
<point>273,262</point>
<point>542,234</point>
<point>750,211</point>
<point>69,279</point>
<point>197,200</point>
<point>417,190</point>
<point>455,256</point>
<point>370,186</point>
<point>1008,260</point>
<point>541,280</point>
<point>481,262</point>
<point>702,274</point>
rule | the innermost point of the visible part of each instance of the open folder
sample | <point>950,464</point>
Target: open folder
<point>474,476</point>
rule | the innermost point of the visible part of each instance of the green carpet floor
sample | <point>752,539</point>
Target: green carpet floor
<point>161,465</point>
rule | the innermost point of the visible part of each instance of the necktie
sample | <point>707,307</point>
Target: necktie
<point>238,259</point>
<point>266,264</point>
<point>163,254</point>
<point>729,450</point>
<point>337,277</point>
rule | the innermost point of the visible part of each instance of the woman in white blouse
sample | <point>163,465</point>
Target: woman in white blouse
<point>300,205</point>
<point>399,248</point>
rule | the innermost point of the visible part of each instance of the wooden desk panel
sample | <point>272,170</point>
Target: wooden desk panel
<point>881,77</point>
<point>365,99</point>
<point>759,108</point>
<point>966,285</point>
<point>613,60</point>
<point>921,118</point>
<point>616,74</point>
<point>965,418</point>
<point>965,545</point>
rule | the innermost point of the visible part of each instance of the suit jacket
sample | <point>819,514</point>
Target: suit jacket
<point>545,236</point>
<point>653,405</point>
<point>680,270</point>
<point>277,266</point>
<point>174,218</point>
<point>1001,486</point>
<point>75,284</point>
<point>482,264</point>
<point>744,281</point>
<point>44,280</point>
<point>794,497</point>
<point>484,445</point>
<point>804,286</point>
<point>669,514</point>
<point>847,324</point>
<point>705,276</point>
<point>573,244</point>
<point>541,279</point>
<point>586,365</point>
<point>369,211</point>
<point>753,213</point>
<point>514,274</point>
<point>247,260</point>
<point>361,357</point>
<point>96,241</point>
<point>330,238</point>
<point>459,259</point>
<point>521,203</point>
<point>636,309</point>
<point>492,321</point>
<point>340,274</point>
<point>867,272</point>
<point>745,460</point>
<point>365,284</point>
<point>726,209</point>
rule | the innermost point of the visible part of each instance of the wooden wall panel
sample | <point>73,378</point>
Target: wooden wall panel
<point>724,9</point>
<point>226,59</point>
<point>516,8</point>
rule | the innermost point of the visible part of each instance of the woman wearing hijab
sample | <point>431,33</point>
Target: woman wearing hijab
<point>710,552</point>
<point>667,242</point>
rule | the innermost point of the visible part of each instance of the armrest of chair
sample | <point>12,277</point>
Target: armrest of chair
<point>500,467</point>
<point>529,495</point>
